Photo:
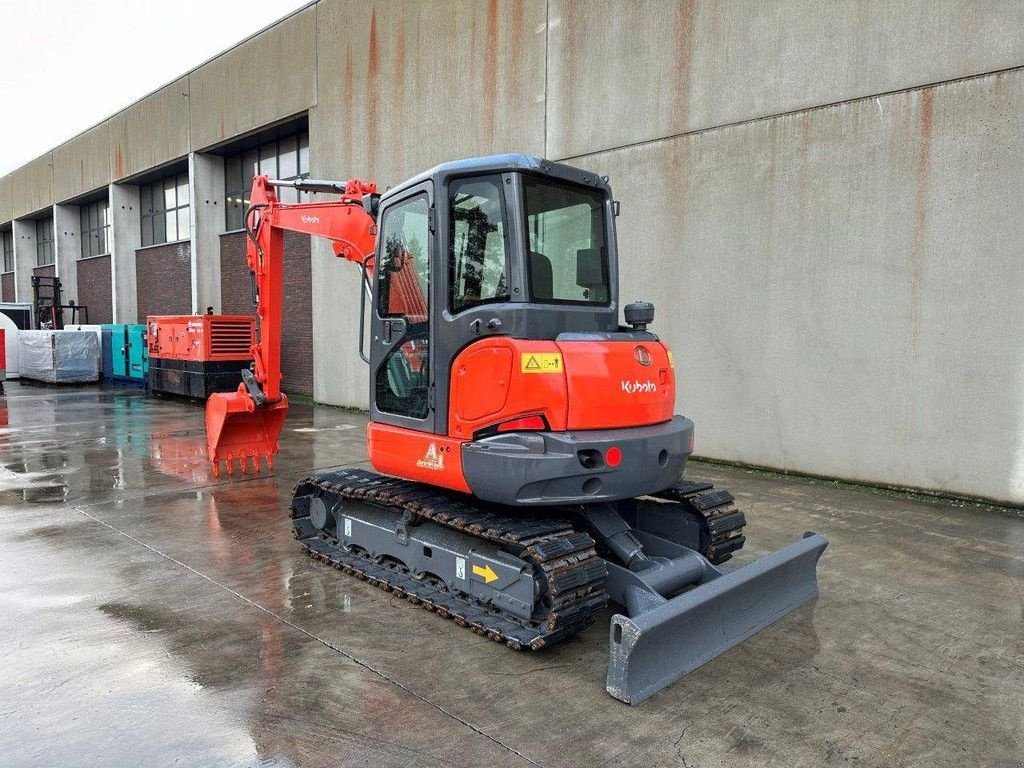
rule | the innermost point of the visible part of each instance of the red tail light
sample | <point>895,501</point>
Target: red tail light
<point>525,423</point>
<point>613,456</point>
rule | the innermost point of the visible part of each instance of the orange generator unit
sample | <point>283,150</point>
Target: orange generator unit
<point>197,355</point>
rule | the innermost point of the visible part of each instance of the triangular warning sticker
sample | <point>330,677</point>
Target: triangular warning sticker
<point>532,364</point>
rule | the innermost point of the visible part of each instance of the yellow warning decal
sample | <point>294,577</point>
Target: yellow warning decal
<point>671,362</point>
<point>485,572</point>
<point>540,362</point>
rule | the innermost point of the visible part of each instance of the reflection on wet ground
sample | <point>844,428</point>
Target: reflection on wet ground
<point>150,615</point>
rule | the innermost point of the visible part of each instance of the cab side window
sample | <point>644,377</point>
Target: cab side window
<point>478,269</point>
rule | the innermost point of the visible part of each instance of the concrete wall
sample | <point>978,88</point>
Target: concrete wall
<point>67,247</point>
<point>266,78</point>
<point>151,132</point>
<point>840,285</point>
<point>24,259</point>
<point>125,239</point>
<point>206,190</point>
<point>822,201</point>
<point>83,164</point>
<point>398,93</point>
<point>623,73</point>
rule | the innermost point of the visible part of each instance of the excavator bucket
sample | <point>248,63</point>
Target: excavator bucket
<point>665,639</point>
<point>236,428</point>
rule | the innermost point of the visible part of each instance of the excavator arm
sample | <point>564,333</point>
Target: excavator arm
<point>245,424</point>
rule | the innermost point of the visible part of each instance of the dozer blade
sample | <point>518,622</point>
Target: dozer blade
<point>236,428</point>
<point>656,647</point>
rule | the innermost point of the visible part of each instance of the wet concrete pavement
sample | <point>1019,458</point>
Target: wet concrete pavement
<point>153,615</point>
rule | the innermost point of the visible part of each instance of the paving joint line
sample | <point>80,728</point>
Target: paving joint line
<point>326,643</point>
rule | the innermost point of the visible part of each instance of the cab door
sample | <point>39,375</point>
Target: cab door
<point>401,360</point>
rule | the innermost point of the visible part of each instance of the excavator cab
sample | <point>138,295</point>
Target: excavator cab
<point>528,458</point>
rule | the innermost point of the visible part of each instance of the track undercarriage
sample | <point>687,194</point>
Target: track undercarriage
<point>532,578</point>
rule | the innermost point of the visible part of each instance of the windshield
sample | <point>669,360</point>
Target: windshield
<point>568,255</point>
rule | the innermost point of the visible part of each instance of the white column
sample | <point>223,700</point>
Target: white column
<point>206,191</point>
<point>125,239</point>
<point>24,260</point>
<point>67,247</point>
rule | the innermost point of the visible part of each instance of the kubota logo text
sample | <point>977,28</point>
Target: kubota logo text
<point>310,219</point>
<point>432,459</point>
<point>637,387</point>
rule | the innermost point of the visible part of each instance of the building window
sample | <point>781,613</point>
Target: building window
<point>286,158</point>
<point>95,228</point>
<point>44,242</point>
<point>165,210</point>
<point>8,244</point>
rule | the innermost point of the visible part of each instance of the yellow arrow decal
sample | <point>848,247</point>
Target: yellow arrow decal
<point>485,572</point>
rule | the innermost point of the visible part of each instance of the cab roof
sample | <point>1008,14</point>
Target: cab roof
<point>440,174</point>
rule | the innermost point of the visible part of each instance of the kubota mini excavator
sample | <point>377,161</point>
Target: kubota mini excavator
<point>529,466</point>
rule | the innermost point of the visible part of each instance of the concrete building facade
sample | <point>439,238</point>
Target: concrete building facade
<point>823,202</point>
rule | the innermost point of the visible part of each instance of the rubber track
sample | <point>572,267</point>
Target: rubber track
<point>572,576</point>
<point>725,522</point>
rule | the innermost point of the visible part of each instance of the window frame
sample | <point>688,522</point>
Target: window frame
<point>148,217</point>
<point>45,243</point>
<point>496,180</point>
<point>236,190</point>
<point>605,214</point>
<point>94,222</point>
<point>7,249</point>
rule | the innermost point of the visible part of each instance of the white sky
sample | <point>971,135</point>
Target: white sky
<point>67,65</point>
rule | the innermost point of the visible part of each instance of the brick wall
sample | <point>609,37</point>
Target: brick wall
<point>297,324</point>
<point>163,280</point>
<point>94,288</point>
<point>7,286</point>
<point>48,271</point>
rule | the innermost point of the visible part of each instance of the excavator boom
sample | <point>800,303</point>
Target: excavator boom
<point>244,425</point>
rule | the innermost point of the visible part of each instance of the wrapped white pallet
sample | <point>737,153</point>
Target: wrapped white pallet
<point>59,357</point>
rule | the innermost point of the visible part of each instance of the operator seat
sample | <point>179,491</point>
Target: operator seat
<point>542,279</point>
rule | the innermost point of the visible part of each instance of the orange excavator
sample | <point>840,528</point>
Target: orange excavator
<point>528,466</point>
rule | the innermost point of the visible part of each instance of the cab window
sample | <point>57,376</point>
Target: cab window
<point>567,261</point>
<point>478,270</point>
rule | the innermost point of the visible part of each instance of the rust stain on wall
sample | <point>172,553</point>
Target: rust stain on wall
<point>518,14</point>
<point>372,99</point>
<point>347,97</point>
<point>922,174</point>
<point>118,162</point>
<point>573,37</point>
<point>490,72</point>
<point>399,116</point>
<point>683,37</point>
